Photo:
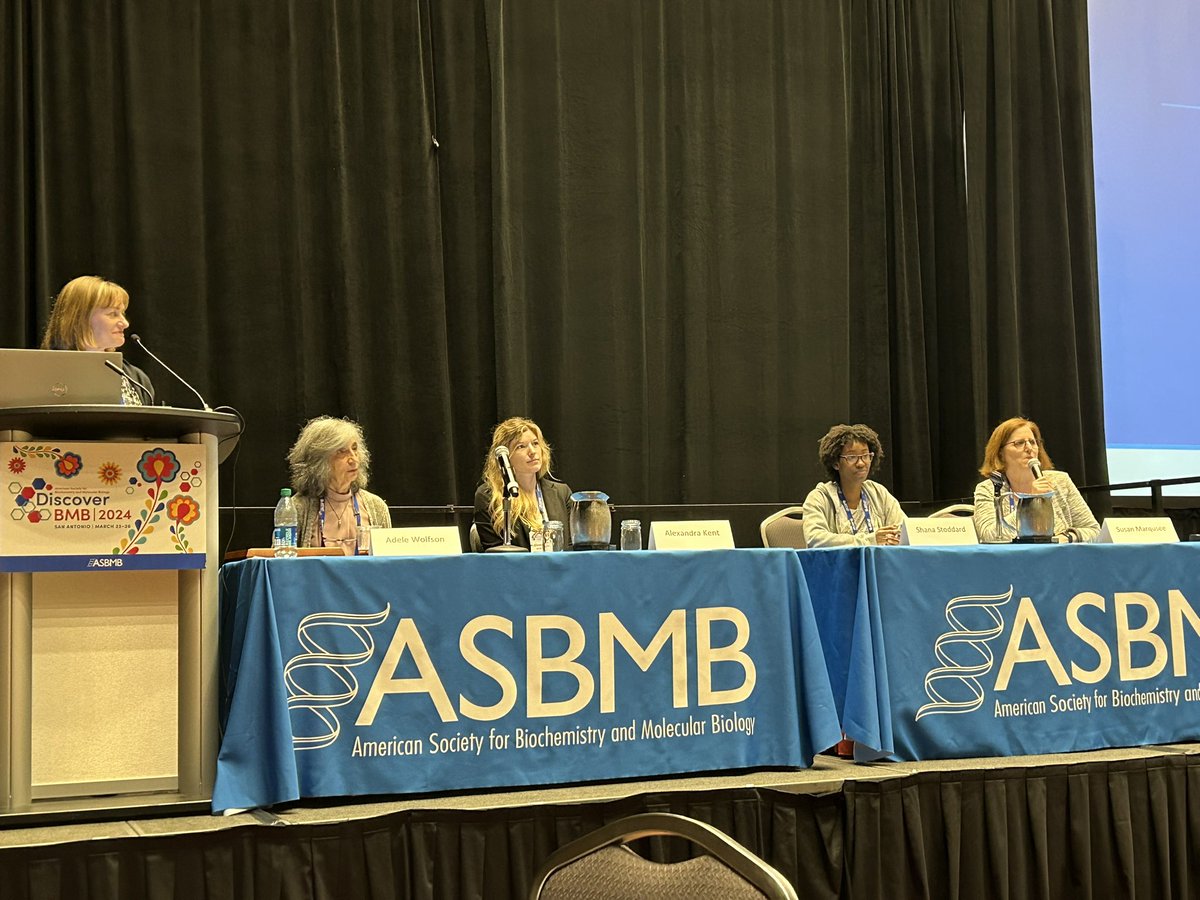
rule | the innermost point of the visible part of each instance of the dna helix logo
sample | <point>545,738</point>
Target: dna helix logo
<point>965,654</point>
<point>319,680</point>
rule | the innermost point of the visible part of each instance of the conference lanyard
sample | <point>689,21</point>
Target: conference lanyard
<point>542,504</point>
<point>357,521</point>
<point>866,508</point>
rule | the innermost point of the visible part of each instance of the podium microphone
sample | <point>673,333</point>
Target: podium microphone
<point>137,340</point>
<point>507,475</point>
<point>141,387</point>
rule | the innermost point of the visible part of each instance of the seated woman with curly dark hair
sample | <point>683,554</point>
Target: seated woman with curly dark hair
<point>330,464</point>
<point>851,509</point>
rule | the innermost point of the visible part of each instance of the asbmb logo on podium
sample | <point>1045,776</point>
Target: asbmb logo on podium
<point>104,504</point>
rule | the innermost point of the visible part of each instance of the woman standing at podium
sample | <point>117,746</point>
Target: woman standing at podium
<point>89,314</point>
<point>330,464</point>
<point>542,497</point>
<point>1007,466</point>
<point>850,509</point>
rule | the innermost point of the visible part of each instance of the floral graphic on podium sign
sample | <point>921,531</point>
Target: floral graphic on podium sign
<point>66,465</point>
<point>158,467</point>
<point>182,510</point>
<point>104,498</point>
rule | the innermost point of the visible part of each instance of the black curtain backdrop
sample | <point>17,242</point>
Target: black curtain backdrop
<point>684,237</point>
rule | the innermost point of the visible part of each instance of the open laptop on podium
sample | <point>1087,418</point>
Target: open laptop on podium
<point>58,378</point>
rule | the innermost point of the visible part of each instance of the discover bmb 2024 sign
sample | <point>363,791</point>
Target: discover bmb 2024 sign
<point>77,505</point>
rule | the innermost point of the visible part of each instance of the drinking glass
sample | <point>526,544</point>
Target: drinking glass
<point>631,534</point>
<point>364,540</point>
<point>554,535</point>
<point>537,539</point>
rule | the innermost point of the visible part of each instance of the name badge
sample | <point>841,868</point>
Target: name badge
<point>939,531</point>
<point>714,534</point>
<point>1133,530</point>
<point>435,540</point>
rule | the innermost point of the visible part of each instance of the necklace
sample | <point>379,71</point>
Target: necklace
<point>353,501</point>
<point>337,514</point>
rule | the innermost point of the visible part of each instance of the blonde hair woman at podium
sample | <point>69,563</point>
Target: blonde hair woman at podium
<point>330,464</point>
<point>850,509</point>
<point>1008,465</point>
<point>89,314</point>
<point>541,497</point>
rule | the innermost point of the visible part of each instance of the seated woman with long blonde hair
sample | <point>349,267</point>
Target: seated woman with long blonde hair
<point>542,498</point>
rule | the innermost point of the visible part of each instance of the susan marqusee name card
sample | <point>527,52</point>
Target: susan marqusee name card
<point>1134,530</point>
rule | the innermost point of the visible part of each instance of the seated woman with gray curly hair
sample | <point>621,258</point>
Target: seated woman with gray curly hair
<point>850,509</point>
<point>330,464</point>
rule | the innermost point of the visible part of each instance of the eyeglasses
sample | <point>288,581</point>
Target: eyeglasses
<point>1028,442</point>
<point>857,458</point>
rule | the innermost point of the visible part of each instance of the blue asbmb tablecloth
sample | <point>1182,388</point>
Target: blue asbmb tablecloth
<point>940,653</point>
<point>376,676</point>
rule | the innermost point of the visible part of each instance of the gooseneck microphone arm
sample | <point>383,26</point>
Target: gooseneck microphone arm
<point>141,387</point>
<point>137,340</point>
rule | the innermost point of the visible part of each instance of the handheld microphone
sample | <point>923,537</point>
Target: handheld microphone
<point>137,340</point>
<point>1036,468</point>
<point>141,387</point>
<point>511,488</point>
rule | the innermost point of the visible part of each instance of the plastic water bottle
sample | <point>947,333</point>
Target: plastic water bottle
<point>287,526</point>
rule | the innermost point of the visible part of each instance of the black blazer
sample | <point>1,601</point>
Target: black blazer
<point>555,493</point>
<point>136,374</point>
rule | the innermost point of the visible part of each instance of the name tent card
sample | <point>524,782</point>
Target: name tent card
<point>1134,530</point>
<point>434,540</point>
<point>939,531</point>
<point>712,534</point>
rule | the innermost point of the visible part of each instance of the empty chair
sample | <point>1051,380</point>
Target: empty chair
<point>601,865</point>
<point>784,528</point>
<point>954,509</point>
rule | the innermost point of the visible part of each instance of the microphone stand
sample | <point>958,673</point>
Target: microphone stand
<point>1001,526</point>
<point>507,546</point>
<point>999,513</point>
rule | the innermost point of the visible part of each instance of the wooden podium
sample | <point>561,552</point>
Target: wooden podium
<point>109,657</point>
